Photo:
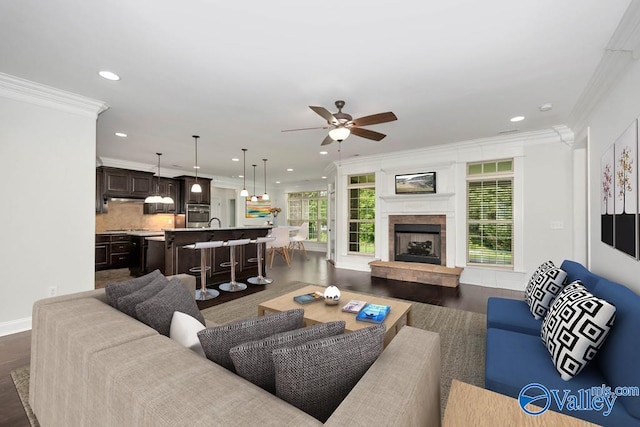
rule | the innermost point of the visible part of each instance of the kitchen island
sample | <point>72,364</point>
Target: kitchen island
<point>178,259</point>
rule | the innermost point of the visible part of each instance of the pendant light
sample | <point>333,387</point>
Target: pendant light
<point>195,188</point>
<point>157,198</point>
<point>244,192</point>
<point>265,196</point>
<point>254,198</point>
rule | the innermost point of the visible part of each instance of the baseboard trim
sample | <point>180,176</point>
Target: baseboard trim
<point>15,326</point>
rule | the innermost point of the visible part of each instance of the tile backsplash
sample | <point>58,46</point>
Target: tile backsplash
<point>130,216</point>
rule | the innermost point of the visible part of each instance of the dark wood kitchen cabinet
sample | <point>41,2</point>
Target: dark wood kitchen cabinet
<point>112,251</point>
<point>186,196</point>
<point>102,251</point>
<point>124,183</point>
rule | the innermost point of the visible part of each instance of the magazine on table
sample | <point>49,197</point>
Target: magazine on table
<point>354,306</point>
<point>310,297</point>
<point>374,313</point>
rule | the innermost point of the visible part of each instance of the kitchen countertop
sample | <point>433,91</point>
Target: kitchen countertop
<point>252,227</point>
<point>140,233</point>
<point>155,238</point>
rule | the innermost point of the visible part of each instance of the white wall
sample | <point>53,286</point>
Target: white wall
<point>544,223</point>
<point>47,150</point>
<point>611,116</point>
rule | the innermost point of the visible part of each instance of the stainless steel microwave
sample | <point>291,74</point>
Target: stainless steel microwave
<point>198,215</point>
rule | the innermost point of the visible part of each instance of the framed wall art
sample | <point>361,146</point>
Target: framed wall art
<point>259,209</point>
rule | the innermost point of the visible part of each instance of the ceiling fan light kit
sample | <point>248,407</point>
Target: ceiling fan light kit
<point>340,133</point>
<point>196,188</point>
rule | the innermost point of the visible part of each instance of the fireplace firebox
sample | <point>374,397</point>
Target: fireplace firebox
<point>417,243</point>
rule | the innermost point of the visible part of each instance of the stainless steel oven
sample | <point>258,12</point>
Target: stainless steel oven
<point>198,215</point>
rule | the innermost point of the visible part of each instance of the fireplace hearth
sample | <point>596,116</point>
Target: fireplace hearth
<point>422,241</point>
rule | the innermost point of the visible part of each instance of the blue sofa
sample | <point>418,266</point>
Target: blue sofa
<point>516,355</point>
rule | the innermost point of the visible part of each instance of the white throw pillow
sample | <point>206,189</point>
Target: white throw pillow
<point>575,328</point>
<point>184,330</point>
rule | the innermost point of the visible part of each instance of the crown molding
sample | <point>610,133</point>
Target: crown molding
<point>46,96</point>
<point>622,50</point>
<point>558,133</point>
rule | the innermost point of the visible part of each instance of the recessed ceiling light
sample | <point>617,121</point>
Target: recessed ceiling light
<point>109,75</point>
<point>196,167</point>
<point>324,177</point>
<point>235,159</point>
<point>545,107</point>
<point>324,152</point>
<point>277,182</point>
<point>289,170</point>
<point>517,118</point>
<point>121,135</point>
<point>240,176</point>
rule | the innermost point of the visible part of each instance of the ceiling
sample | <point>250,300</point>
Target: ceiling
<point>237,73</point>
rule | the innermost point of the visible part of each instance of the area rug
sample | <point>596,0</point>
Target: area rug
<point>462,337</point>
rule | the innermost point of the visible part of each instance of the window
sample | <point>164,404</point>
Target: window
<point>490,213</point>
<point>362,213</point>
<point>309,206</point>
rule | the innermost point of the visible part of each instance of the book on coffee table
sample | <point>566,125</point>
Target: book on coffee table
<point>374,313</point>
<point>354,306</point>
<point>307,298</point>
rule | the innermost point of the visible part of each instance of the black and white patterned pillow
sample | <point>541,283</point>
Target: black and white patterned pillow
<point>217,341</point>
<point>577,325</point>
<point>530,285</point>
<point>315,377</point>
<point>253,360</point>
<point>545,284</point>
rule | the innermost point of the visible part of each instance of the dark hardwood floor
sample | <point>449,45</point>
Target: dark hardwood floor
<point>15,349</point>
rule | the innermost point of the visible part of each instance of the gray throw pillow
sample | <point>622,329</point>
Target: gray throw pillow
<point>127,304</point>
<point>253,361</point>
<point>115,291</point>
<point>216,342</point>
<point>315,377</point>
<point>157,311</point>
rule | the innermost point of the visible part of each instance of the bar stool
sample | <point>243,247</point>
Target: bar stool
<point>260,279</point>
<point>204,293</point>
<point>233,286</point>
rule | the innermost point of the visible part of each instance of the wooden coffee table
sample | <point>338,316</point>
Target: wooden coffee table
<point>319,312</point>
<point>470,405</point>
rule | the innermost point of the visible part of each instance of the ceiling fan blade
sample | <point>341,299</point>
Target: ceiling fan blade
<point>327,140</point>
<point>293,130</point>
<point>325,114</point>
<point>366,133</point>
<point>374,119</point>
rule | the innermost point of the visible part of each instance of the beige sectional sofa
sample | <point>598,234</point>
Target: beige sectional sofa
<point>92,365</point>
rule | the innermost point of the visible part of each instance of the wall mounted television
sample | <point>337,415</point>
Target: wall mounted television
<point>416,183</point>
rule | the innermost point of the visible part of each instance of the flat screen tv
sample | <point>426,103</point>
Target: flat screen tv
<point>416,183</point>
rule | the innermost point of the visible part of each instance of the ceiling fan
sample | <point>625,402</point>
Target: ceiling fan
<point>341,124</point>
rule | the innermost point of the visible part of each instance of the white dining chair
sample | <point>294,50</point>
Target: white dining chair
<point>280,245</point>
<point>297,241</point>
